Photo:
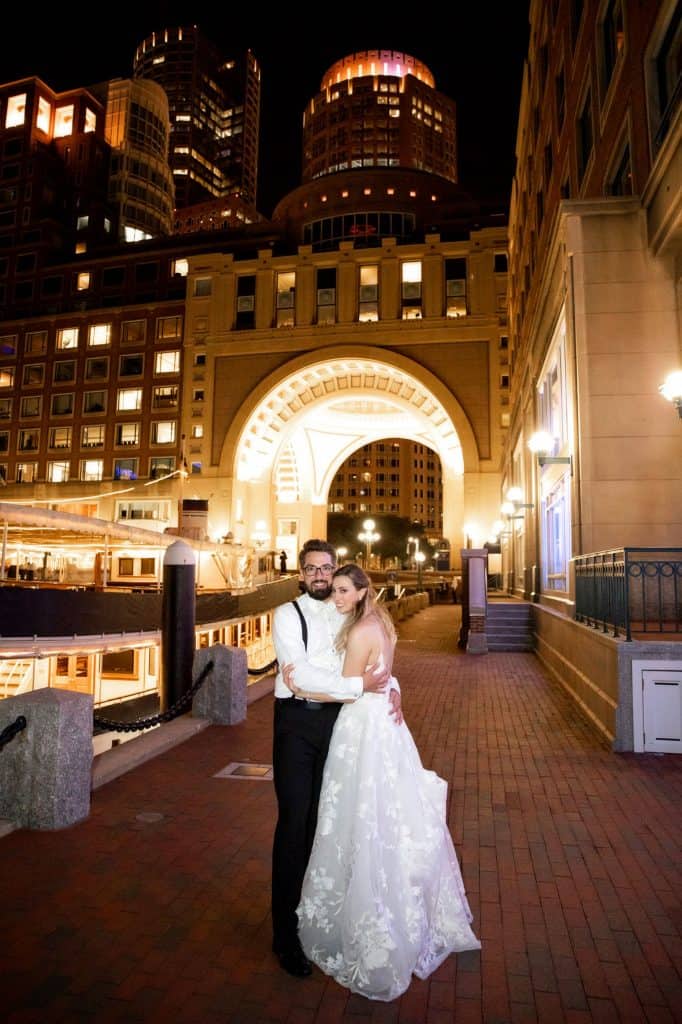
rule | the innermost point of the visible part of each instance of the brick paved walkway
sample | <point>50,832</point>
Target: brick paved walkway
<point>156,908</point>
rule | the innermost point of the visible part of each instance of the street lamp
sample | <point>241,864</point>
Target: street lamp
<point>420,558</point>
<point>368,537</point>
<point>672,390</point>
<point>543,444</point>
<point>341,554</point>
<point>415,541</point>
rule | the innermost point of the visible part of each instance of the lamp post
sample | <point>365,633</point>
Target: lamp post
<point>415,541</point>
<point>341,554</point>
<point>420,558</point>
<point>368,537</point>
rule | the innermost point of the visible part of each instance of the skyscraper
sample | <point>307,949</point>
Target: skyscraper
<point>214,112</point>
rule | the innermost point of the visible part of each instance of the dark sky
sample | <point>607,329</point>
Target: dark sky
<point>475,52</point>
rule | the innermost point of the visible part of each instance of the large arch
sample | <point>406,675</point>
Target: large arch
<point>286,443</point>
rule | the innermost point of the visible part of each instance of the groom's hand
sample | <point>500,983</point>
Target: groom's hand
<point>375,679</point>
<point>396,706</point>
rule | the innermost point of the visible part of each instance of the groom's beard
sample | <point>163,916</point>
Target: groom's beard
<point>319,590</point>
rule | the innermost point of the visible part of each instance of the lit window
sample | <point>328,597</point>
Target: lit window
<point>26,472</point>
<point>59,437</point>
<point>90,120</point>
<point>7,377</point>
<point>99,334</point>
<point>133,331</point>
<point>16,111</point>
<point>163,432</point>
<point>67,337</point>
<point>180,267</point>
<point>43,115</point>
<point>93,436</point>
<point>57,472</point>
<point>197,430</point>
<point>83,281</point>
<point>127,434</point>
<point>167,362</point>
<point>168,327</point>
<point>92,469</point>
<point>63,121</point>
<point>129,399</point>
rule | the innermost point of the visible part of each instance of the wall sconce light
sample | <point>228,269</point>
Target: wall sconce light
<point>672,390</point>
<point>515,496</point>
<point>543,444</point>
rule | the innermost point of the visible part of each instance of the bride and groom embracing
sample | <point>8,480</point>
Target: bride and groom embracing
<point>365,879</point>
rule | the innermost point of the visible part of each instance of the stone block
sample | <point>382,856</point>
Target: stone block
<point>222,696</point>
<point>45,771</point>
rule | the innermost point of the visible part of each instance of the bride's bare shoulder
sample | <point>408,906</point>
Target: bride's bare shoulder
<point>367,628</point>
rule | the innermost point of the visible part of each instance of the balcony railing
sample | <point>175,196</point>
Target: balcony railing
<point>630,591</point>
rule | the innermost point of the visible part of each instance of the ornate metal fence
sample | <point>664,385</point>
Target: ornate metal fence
<point>630,590</point>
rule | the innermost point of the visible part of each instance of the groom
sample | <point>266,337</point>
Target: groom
<point>302,731</point>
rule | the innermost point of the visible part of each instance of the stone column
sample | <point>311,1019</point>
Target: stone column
<point>477,559</point>
<point>222,696</point>
<point>46,770</point>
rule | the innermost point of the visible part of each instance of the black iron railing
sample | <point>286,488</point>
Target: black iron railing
<point>630,591</point>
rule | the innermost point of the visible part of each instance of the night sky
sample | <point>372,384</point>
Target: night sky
<point>475,52</point>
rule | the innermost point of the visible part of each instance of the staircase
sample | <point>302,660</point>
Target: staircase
<point>509,626</point>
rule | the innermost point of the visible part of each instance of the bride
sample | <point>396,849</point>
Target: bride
<point>382,897</point>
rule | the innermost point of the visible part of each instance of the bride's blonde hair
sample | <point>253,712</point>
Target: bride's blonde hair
<point>368,605</point>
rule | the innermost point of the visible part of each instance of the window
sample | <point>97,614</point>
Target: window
<point>63,121</point>
<point>64,371</point>
<point>456,285</point>
<point>411,289</point>
<point>163,431</point>
<point>246,302</point>
<point>67,337</point>
<point>28,440</point>
<point>59,437</point>
<point>82,281</point>
<point>62,405</point>
<point>4,441</point>
<point>127,434</point>
<point>8,346</point>
<point>198,395</point>
<point>197,430</point>
<point>113,277</point>
<point>202,286</point>
<point>93,436</point>
<point>7,377</point>
<point>286,299</point>
<point>5,408</point>
<point>180,268</point>
<point>619,180</point>
<point>97,368</point>
<point>99,334</point>
<point>556,536</point>
<point>167,362</point>
<point>16,111</point>
<point>168,328</point>
<point>161,465</point>
<point>35,343</point>
<point>91,469</point>
<point>26,472</point>
<point>34,375</point>
<point>94,401</point>
<point>500,265</point>
<point>368,294</point>
<point>125,469</point>
<point>165,396</point>
<point>129,399</point>
<point>664,73</point>
<point>30,406</point>
<point>58,472</point>
<point>131,366</point>
<point>133,332</point>
<point>585,136</point>
<point>326,295</point>
<point>612,39</point>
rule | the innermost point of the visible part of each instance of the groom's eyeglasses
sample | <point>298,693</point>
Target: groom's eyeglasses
<point>312,570</point>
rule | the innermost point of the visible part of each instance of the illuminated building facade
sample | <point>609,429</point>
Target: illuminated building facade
<point>140,179</point>
<point>394,476</point>
<point>214,113</point>
<point>595,252</point>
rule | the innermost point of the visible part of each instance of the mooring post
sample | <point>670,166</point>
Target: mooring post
<point>177,622</point>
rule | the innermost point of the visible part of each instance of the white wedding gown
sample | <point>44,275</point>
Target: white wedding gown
<point>382,897</point>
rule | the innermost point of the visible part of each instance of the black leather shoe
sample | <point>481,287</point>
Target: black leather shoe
<point>293,961</point>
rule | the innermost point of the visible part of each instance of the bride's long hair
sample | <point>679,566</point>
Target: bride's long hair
<point>368,605</point>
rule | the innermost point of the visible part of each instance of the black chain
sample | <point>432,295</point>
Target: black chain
<point>263,670</point>
<point>11,730</point>
<point>163,716</point>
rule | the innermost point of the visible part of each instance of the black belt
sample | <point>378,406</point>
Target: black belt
<point>309,705</point>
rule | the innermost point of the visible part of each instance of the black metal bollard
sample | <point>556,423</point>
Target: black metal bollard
<point>177,623</point>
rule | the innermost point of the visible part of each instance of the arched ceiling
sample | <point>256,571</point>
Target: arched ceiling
<point>323,412</point>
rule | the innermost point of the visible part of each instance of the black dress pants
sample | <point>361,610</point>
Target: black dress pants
<point>302,732</point>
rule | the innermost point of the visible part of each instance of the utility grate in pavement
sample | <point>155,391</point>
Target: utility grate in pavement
<point>243,770</point>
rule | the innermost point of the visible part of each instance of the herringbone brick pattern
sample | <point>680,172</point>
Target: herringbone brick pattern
<point>155,909</point>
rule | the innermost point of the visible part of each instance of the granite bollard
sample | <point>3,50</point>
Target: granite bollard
<point>46,770</point>
<point>222,696</point>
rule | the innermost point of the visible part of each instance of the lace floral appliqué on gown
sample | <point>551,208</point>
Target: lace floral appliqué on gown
<point>383,897</point>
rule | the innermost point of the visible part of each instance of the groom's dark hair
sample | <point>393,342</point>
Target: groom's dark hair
<point>317,545</point>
